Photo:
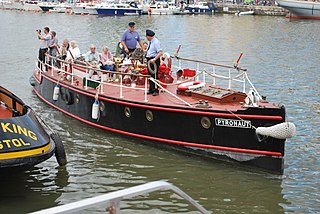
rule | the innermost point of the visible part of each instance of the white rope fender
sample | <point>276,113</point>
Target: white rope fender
<point>280,131</point>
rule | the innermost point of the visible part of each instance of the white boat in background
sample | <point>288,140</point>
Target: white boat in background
<point>201,7</point>
<point>118,9</point>
<point>61,8</point>
<point>46,6</point>
<point>301,9</point>
<point>30,5</point>
<point>161,8</point>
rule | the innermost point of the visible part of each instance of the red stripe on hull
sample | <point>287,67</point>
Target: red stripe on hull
<point>238,150</point>
<point>243,116</point>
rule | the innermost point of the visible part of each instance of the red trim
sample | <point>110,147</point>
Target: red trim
<point>164,140</point>
<point>215,114</point>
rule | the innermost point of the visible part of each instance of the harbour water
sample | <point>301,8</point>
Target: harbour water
<point>282,57</point>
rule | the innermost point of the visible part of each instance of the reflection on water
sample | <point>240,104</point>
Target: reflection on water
<point>38,188</point>
<point>282,58</point>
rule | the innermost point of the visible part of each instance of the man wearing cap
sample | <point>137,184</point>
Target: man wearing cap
<point>129,39</point>
<point>153,55</point>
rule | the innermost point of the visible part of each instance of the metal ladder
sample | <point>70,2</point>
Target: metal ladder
<point>112,199</point>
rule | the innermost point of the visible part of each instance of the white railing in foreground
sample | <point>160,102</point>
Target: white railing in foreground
<point>112,200</point>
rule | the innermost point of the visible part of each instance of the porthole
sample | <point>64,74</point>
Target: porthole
<point>205,122</point>
<point>149,115</point>
<point>127,112</point>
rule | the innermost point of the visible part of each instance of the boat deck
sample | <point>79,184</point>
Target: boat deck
<point>218,99</point>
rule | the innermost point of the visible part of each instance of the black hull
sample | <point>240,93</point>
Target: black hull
<point>179,127</point>
<point>23,140</point>
<point>27,162</point>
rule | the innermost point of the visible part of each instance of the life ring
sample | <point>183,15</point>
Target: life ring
<point>166,56</point>
<point>59,151</point>
<point>191,85</point>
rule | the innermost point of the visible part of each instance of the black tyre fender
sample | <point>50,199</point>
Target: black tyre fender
<point>68,98</point>
<point>59,151</point>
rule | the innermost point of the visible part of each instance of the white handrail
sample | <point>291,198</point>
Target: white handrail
<point>113,198</point>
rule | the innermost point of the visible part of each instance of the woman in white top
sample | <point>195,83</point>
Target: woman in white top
<point>74,51</point>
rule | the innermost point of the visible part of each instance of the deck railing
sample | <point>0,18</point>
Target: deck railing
<point>233,75</point>
<point>112,200</point>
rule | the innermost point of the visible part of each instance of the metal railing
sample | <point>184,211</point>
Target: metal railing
<point>101,83</point>
<point>112,200</point>
<point>234,74</point>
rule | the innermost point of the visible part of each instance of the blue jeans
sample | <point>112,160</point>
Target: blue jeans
<point>107,67</point>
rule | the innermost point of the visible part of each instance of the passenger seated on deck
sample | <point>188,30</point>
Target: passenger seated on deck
<point>74,51</point>
<point>106,59</point>
<point>92,59</point>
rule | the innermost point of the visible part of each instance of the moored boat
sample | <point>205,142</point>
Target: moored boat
<point>194,113</point>
<point>24,142</point>
<point>301,9</point>
<point>118,9</point>
<point>161,8</point>
<point>201,8</point>
<point>47,6</point>
<point>31,5</point>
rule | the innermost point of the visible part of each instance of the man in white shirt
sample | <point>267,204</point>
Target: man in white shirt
<point>43,46</point>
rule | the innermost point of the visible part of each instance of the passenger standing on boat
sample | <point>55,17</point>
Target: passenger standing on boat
<point>92,58</point>
<point>129,39</point>
<point>53,46</point>
<point>153,55</point>
<point>43,46</point>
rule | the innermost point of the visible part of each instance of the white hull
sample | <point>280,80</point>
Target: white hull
<point>163,11</point>
<point>301,9</point>
<point>31,7</point>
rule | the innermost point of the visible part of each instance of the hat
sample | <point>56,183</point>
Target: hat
<point>150,33</point>
<point>131,23</point>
